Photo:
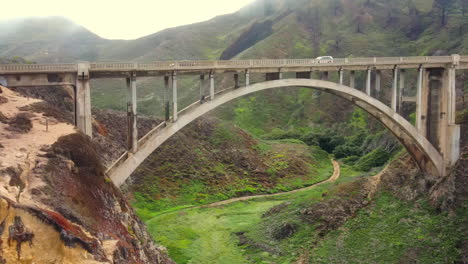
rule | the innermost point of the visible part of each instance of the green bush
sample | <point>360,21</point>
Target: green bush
<point>343,151</point>
<point>350,160</point>
<point>375,158</point>
<point>328,140</point>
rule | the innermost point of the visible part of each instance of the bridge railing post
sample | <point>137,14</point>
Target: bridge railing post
<point>83,117</point>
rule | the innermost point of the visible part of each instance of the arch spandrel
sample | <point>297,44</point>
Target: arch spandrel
<point>426,156</point>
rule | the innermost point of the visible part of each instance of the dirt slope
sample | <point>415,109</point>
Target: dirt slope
<point>56,206</point>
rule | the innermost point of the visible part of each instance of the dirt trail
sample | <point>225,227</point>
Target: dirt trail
<point>334,177</point>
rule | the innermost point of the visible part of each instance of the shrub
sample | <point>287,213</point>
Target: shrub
<point>343,151</point>
<point>350,160</point>
<point>21,123</point>
<point>375,158</point>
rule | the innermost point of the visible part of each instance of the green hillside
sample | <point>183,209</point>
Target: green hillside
<point>280,139</point>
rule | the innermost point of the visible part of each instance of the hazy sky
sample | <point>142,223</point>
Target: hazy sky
<point>128,19</point>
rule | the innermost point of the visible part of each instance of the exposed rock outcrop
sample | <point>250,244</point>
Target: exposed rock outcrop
<point>56,205</point>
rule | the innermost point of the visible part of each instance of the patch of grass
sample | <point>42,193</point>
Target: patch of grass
<point>223,134</point>
<point>392,231</point>
<point>262,147</point>
<point>207,235</point>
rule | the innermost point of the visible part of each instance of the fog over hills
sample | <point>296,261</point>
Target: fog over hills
<point>275,29</point>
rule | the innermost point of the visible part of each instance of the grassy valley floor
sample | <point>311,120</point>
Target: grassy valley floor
<point>385,230</point>
<point>208,235</point>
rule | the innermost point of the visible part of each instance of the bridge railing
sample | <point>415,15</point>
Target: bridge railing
<point>47,68</point>
<point>109,66</point>
<point>222,64</point>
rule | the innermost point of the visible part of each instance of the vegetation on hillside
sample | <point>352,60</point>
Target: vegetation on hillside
<point>333,223</point>
<point>212,161</point>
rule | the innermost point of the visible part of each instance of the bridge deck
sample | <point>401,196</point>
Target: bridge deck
<point>100,69</point>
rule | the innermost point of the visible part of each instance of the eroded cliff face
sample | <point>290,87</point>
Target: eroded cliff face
<point>56,204</point>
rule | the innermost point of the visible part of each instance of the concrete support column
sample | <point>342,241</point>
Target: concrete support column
<point>419,101</point>
<point>368,82</point>
<point>236,80</point>
<point>212,86</point>
<point>247,77</point>
<point>132,136</point>
<point>280,74</point>
<point>202,88</point>
<point>167,114</point>
<point>352,79</point>
<point>395,89</point>
<point>340,76</point>
<point>450,132</point>
<point>401,90</point>
<point>378,80</point>
<point>174,96</point>
<point>83,117</point>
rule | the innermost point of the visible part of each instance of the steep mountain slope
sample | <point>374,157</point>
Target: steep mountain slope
<point>51,39</point>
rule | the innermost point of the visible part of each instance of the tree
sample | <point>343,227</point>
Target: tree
<point>443,7</point>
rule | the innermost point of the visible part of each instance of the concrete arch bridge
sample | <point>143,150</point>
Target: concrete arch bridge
<point>433,142</point>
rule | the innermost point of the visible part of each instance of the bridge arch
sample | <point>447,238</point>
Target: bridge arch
<point>423,152</point>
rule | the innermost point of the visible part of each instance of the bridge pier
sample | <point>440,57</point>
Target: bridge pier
<point>167,114</point>
<point>247,77</point>
<point>440,127</point>
<point>83,117</point>
<point>450,131</point>
<point>401,90</point>
<point>132,136</point>
<point>340,76</point>
<point>352,79</point>
<point>422,101</point>
<point>378,78</point>
<point>212,86</point>
<point>394,103</point>
<point>202,88</point>
<point>368,82</point>
<point>174,96</point>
